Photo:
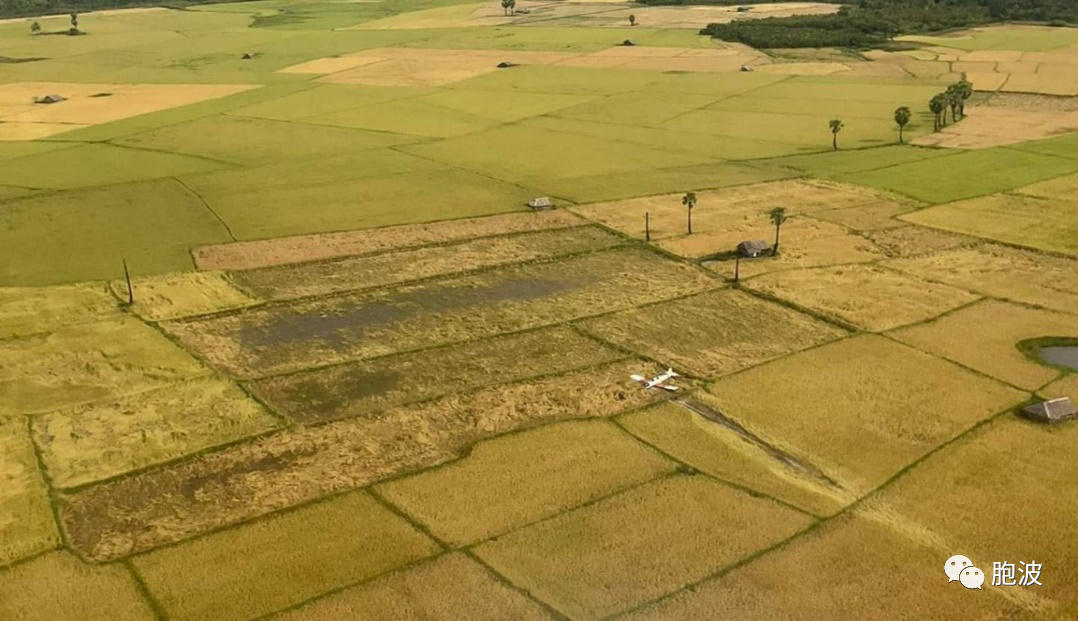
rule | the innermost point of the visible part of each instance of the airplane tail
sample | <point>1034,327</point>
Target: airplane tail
<point>671,373</point>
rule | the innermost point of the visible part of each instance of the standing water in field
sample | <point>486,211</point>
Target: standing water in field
<point>1060,356</point>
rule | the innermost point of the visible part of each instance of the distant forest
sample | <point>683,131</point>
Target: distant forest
<point>867,23</point>
<point>34,8</point>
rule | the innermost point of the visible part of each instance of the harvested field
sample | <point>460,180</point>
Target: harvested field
<point>354,273</point>
<point>281,561</point>
<point>59,586</point>
<point>86,363</point>
<point>266,253</point>
<point>867,296</point>
<point>451,586</point>
<point>850,568</point>
<point>417,67</point>
<point>714,333</point>
<point>681,529</point>
<point>171,503</point>
<point>1009,475</point>
<point>991,126</point>
<point>1001,272</point>
<point>561,467</point>
<point>278,339</point>
<point>985,337</point>
<point>172,296</point>
<point>1067,386</point>
<point>866,406</point>
<point>26,522</point>
<point>911,241</point>
<point>107,438</point>
<point>797,232</point>
<point>1061,188</point>
<point>803,254</point>
<point>360,389</point>
<point>872,217</point>
<point>1023,220</point>
<point>25,310</point>
<point>721,453</point>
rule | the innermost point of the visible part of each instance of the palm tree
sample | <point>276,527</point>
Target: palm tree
<point>75,21</point>
<point>689,200</point>
<point>512,7</point>
<point>952,98</point>
<point>965,91</point>
<point>35,28</point>
<point>836,126</point>
<point>937,105</point>
<point>505,7</point>
<point>902,116</point>
<point>632,20</point>
<point>778,217</point>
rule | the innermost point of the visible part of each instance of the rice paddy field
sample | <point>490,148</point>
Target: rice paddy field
<point>280,339</point>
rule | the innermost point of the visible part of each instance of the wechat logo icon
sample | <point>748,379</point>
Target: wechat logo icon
<point>960,568</point>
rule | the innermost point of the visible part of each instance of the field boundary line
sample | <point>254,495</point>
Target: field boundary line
<point>553,612</point>
<point>119,145</point>
<point>965,367</point>
<point>208,208</point>
<point>144,590</point>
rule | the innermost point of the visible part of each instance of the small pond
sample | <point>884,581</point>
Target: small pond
<point>1060,356</point>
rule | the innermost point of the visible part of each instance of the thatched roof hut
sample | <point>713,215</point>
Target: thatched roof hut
<point>50,99</point>
<point>542,202</point>
<point>752,248</point>
<point>1052,411</point>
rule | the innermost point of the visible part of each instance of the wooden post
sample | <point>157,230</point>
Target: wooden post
<point>647,226</point>
<point>737,267</point>
<point>130,291</point>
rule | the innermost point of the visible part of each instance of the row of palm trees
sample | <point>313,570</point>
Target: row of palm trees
<point>954,98</point>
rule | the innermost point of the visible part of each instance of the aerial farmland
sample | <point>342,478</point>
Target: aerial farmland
<point>281,337</point>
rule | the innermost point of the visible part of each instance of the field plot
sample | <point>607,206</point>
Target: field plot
<point>832,163</point>
<point>989,126</point>
<point>804,254</point>
<point>561,466</point>
<point>872,217</point>
<point>1009,475</point>
<point>1048,224</point>
<point>451,586</point>
<point>985,337</point>
<point>681,529</point>
<point>354,273</point>
<point>911,241</point>
<point>26,311</point>
<point>1067,386</point>
<point>96,165</point>
<point>363,388</point>
<point>59,586</point>
<point>86,234</point>
<point>164,505</point>
<point>26,522</point>
<point>298,249</point>
<point>865,407</point>
<point>277,339</point>
<point>1001,272</point>
<point>322,99</point>
<point>107,438</point>
<point>281,561</point>
<point>1063,146</point>
<point>1060,188</point>
<point>714,333</point>
<point>85,363</point>
<point>851,568</point>
<point>721,453</point>
<point>869,297</point>
<point>502,106</point>
<point>184,294</point>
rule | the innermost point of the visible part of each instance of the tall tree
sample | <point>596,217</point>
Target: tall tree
<point>632,20</point>
<point>902,116</point>
<point>75,21</point>
<point>512,7</point>
<point>778,218</point>
<point>937,105</point>
<point>965,91</point>
<point>689,200</point>
<point>836,126</point>
<point>952,98</point>
<point>505,7</point>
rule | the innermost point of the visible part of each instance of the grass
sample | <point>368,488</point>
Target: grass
<point>837,163</point>
<point>108,438</point>
<point>560,466</point>
<point>911,241</point>
<point>323,99</point>
<point>25,311</point>
<point>78,364</point>
<point>97,164</point>
<point>358,389</point>
<point>850,568</point>
<point>962,175</point>
<point>278,562</point>
<point>714,333</point>
<point>1066,386</point>
<point>986,337</point>
<point>449,587</point>
<point>866,407</point>
<point>1001,272</point>
<point>507,107</point>
<point>406,117</point>
<point>870,297</point>
<point>637,109</point>
<point>26,521</point>
<point>721,453</point>
<point>354,273</point>
<point>59,586</point>
<point>270,252</point>
<point>282,338</point>
<point>875,217</point>
<point>681,529</point>
<point>1012,505</point>
<point>302,464</point>
<point>86,234</point>
<point>1047,224</point>
<point>171,296</point>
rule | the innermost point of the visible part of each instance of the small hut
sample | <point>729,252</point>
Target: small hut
<point>49,99</point>
<point>752,248</point>
<point>540,203</point>
<point>1051,411</point>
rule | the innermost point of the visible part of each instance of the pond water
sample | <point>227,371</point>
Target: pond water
<point>1061,356</point>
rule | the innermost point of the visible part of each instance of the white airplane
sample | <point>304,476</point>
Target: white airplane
<point>659,381</point>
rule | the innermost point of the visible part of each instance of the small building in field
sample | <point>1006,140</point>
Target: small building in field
<point>540,203</point>
<point>1051,411</point>
<point>752,248</point>
<point>49,99</point>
